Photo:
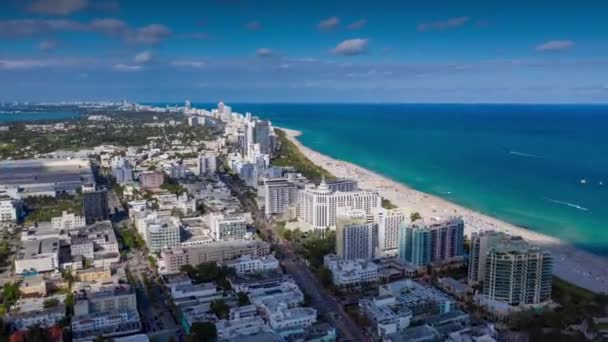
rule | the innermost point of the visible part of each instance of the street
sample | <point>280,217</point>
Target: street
<point>321,299</point>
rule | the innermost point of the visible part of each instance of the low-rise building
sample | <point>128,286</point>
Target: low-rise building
<point>105,324</point>
<point>93,275</point>
<point>173,259</point>
<point>33,287</point>
<point>45,318</point>
<point>230,329</point>
<point>67,221</point>
<point>424,301</point>
<point>246,264</point>
<point>386,313</point>
<point>10,210</point>
<point>346,273</point>
<point>38,256</point>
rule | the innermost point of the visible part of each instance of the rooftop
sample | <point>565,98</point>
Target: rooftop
<point>41,171</point>
<point>33,249</point>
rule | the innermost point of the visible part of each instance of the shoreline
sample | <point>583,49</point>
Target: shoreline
<point>572,264</point>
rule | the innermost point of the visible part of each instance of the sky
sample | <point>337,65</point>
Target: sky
<point>305,51</point>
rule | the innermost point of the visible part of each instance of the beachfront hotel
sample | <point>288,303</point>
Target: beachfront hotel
<point>355,238</point>
<point>279,195</point>
<point>389,221</point>
<point>319,206</point>
<point>437,240</point>
<point>481,243</point>
<point>517,273</point>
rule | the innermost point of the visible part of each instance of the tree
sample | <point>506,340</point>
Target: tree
<point>10,293</point>
<point>220,308</point>
<point>37,334</point>
<point>325,276</point>
<point>50,303</point>
<point>243,299</point>
<point>202,332</point>
<point>415,216</point>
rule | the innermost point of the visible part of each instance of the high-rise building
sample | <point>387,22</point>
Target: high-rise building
<point>517,274</point>
<point>208,164</point>
<point>319,206</point>
<point>261,135</point>
<point>422,243</point>
<point>279,194</point>
<point>481,243</point>
<point>95,205</point>
<point>389,221</point>
<point>123,174</point>
<point>415,245</point>
<point>161,232</point>
<point>343,185</point>
<point>151,179</point>
<point>355,239</point>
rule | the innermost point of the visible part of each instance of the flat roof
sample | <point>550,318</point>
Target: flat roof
<point>43,171</point>
<point>32,248</point>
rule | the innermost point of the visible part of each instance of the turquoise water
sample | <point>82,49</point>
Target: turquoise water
<point>544,167</point>
<point>36,116</point>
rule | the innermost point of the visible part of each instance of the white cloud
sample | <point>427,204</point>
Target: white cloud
<point>57,7</point>
<point>47,45</point>
<point>264,52</point>
<point>28,64</point>
<point>33,27</point>
<point>443,24</point>
<point>143,57</point>
<point>329,23</point>
<point>151,34</point>
<point>109,26</point>
<point>351,47</point>
<point>126,67</point>
<point>555,45</point>
<point>189,64</point>
<point>357,24</point>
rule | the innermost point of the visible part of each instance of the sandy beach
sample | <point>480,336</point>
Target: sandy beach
<point>570,263</point>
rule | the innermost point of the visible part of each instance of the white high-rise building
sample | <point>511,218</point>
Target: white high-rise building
<point>279,195</point>
<point>355,239</point>
<point>208,164</point>
<point>389,222</point>
<point>162,232</point>
<point>227,227</point>
<point>318,206</point>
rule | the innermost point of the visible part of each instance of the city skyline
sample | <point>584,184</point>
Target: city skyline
<point>271,51</point>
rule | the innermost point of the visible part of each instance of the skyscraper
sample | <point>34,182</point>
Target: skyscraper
<point>517,273</point>
<point>481,243</point>
<point>319,206</point>
<point>422,243</point>
<point>355,239</point>
<point>389,221</point>
<point>279,194</point>
<point>261,135</point>
<point>95,206</point>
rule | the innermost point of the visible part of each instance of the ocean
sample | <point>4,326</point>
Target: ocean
<point>36,116</point>
<point>543,167</point>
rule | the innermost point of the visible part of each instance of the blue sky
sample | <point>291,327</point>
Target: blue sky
<point>305,51</point>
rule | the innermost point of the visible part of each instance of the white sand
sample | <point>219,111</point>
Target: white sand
<point>570,263</point>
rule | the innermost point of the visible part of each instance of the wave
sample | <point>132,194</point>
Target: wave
<point>523,154</point>
<point>572,205</point>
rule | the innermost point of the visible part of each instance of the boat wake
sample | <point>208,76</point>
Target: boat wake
<point>523,154</point>
<point>571,205</point>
